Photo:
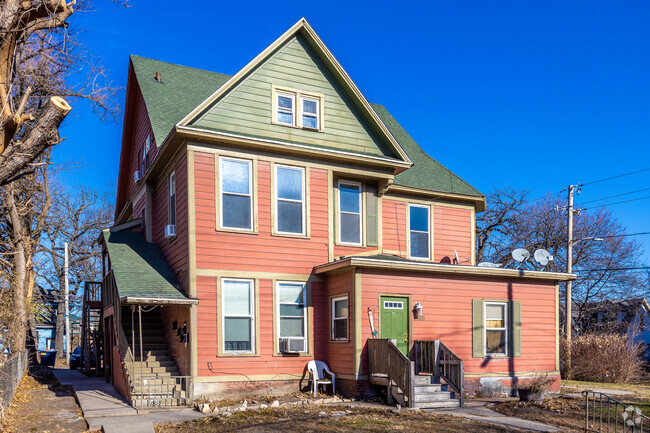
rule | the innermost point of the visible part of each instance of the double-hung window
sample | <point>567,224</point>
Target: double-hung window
<point>310,109</point>
<point>236,194</point>
<point>419,233</point>
<point>238,315</point>
<point>292,315</point>
<point>290,200</point>
<point>340,318</point>
<point>172,198</point>
<point>286,113</point>
<point>349,213</point>
<point>496,334</point>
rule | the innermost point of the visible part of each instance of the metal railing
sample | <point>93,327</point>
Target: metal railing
<point>386,359</point>
<point>604,413</point>
<point>153,391</point>
<point>433,357</point>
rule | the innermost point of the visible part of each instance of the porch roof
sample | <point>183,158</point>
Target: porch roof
<point>396,263</point>
<point>142,274</point>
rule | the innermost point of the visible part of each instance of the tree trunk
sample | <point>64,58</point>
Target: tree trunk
<point>20,276</point>
<point>60,324</point>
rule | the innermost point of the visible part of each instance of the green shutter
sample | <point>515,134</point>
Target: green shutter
<point>477,329</point>
<point>515,327</point>
<point>371,215</point>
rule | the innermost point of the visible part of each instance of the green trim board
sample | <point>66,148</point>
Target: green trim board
<point>140,269</point>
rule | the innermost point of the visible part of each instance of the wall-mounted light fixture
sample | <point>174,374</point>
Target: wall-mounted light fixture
<point>417,310</point>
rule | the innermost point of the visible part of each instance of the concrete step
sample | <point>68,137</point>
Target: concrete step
<point>152,403</point>
<point>437,404</point>
<point>168,381</point>
<point>153,370</point>
<point>423,379</point>
<point>433,387</point>
<point>434,396</point>
<point>155,362</point>
<point>153,391</point>
<point>146,347</point>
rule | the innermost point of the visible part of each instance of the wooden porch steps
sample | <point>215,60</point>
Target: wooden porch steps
<point>430,393</point>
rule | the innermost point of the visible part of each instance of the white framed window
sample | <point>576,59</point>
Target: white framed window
<point>238,301</point>
<point>419,231</point>
<point>496,328</point>
<point>393,305</point>
<point>292,314</point>
<point>289,200</point>
<point>236,186</point>
<point>339,323</point>
<point>310,112</point>
<point>172,198</point>
<point>349,219</point>
<point>285,106</point>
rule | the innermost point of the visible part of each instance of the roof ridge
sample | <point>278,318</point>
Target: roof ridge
<point>131,56</point>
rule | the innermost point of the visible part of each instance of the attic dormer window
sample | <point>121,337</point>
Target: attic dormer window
<point>297,108</point>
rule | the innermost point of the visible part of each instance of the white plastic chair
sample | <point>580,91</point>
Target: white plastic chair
<point>317,370</point>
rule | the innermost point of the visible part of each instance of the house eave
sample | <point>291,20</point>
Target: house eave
<point>132,300</point>
<point>443,269</point>
<point>478,202</point>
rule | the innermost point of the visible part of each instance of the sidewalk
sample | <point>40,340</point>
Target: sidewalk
<point>476,410</point>
<point>105,409</point>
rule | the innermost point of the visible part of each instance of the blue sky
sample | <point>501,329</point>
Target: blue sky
<point>534,95</point>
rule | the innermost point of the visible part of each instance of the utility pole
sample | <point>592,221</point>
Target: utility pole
<point>67,307</point>
<point>569,265</point>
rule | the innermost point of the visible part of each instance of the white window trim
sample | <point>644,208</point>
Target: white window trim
<point>251,288</point>
<point>340,212</point>
<point>249,195</point>
<point>302,202</point>
<point>278,94</point>
<point>315,116</point>
<point>428,208</point>
<point>396,307</point>
<point>304,312</point>
<point>172,175</point>
<point>333,318</point>
<point>505,328</point>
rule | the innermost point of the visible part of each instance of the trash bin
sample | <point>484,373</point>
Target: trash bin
<point>48,357</point>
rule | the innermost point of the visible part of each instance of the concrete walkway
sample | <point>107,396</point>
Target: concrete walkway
<point>477,410</point>
<point>104,409</point>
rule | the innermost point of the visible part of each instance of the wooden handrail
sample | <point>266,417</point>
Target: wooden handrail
<point>435,358</point>
<point>384,358</point>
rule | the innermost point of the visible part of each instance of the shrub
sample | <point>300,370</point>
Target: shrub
<point>537,384</point>
<point>603,358</point>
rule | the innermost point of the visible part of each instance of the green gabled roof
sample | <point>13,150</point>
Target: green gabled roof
<point>181,89</point>
<point>184,88</point>
<point>140,268</point>
<point>426,172</point>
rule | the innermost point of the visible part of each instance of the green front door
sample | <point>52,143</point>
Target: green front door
<point>394,320</point>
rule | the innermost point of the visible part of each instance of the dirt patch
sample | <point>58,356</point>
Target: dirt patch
<point>330,419</point>
<point>562,412</point>
<point>42,404</point>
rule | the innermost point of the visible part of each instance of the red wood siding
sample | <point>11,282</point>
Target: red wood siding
<point>266,363</point>
<point>261,251</point>
<point>175,251</point>
<point>394,225</point>
<point>179,351</point>
<point>447,303</point>
<point>452,230</point>
<point>340,353</point>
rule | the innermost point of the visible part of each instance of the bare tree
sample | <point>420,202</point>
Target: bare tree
<point>24,205</point>
<point>38,58</point>
<point>75,218</point>
<point>513,222</point>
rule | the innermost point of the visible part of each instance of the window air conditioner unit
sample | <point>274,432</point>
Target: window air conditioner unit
<point>292,345</point>
<point>170,231</point>
<point>137,176</point>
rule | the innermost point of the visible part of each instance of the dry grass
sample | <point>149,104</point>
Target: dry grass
<point>320,419</point>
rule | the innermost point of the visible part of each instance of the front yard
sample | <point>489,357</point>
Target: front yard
<point>331,419</point>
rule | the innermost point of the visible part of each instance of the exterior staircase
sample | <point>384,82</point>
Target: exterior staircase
<point>429,394</point>
<point>154,378</point>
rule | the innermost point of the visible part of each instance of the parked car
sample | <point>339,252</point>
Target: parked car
<point>75,358</point>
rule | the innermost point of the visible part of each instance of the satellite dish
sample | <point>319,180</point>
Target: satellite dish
<point>542,257</point>
<point>489,265</point>
<point>520,255</point>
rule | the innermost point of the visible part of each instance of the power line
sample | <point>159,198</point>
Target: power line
<point>614,196</point>
<point>613,269</point>
<point>617,202</point>
<point>620,236</point>
<point>616,177</point>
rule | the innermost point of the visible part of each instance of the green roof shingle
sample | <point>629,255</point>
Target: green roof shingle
<point>184,88</point>
<point>140,268</point>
